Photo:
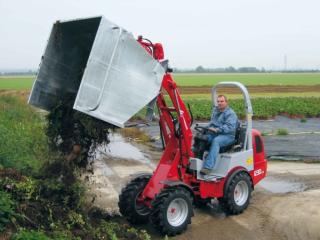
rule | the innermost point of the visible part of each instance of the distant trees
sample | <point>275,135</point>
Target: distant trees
<point>17,72</point>
<point>231,69</point>
<point>200,69</point>
<point>248,70</point>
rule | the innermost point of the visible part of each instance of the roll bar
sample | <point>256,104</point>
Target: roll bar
<point>248,107</point>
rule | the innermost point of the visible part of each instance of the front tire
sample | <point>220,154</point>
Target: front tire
<point>129,206</point>
<point>171,211</point>
<point>237,195</point>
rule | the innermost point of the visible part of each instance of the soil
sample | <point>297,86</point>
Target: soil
<point>285,205</point>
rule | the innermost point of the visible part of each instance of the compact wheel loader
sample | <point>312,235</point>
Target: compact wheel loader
<point>167,196</point>
<point>110,75</point>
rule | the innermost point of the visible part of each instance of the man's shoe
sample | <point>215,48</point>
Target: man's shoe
<point>205,171</point>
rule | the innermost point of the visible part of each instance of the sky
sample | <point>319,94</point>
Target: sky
<point>210,33</point>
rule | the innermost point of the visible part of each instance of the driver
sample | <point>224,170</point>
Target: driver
<point>222,129</point>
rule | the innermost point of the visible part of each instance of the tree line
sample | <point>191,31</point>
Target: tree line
<point>201,69</point>
<point>18,73</point>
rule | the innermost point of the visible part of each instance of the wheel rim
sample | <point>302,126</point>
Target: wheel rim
<point>177,212</point>
<point>241,193</point>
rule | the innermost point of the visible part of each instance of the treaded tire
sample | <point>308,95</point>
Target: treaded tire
<point>128,207</point>
<point>164,222</point>
<point>232,202</point>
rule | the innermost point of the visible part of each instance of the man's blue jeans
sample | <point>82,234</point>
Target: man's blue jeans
<point>217,141</point>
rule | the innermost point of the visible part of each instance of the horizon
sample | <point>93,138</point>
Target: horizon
<point>262,34</point>
<point>192,70</point>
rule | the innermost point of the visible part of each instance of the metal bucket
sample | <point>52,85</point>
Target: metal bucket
<point>100,66</point>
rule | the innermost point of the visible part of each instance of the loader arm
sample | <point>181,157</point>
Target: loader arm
<point>175,124</point>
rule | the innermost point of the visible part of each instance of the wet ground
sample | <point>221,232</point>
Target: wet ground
<point>285,205</point>
<point>302,142</point>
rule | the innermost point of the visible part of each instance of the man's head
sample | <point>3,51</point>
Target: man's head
<point>222,102</point>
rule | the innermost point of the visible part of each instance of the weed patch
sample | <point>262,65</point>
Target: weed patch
<point>23,144</point>
<point>40,159</point>
<point>282,132</point>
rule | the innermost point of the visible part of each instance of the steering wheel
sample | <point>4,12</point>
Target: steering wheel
<point>202,129</point>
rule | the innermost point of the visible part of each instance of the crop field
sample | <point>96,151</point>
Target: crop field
<point>198,80</point>
<point>263,108</point>
<point>293,94</point>
<point>16,82</point>
<point>249,79</point>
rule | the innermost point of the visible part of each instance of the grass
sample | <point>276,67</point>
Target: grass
<point>249,79</point>
<point>22,139</point>
<point>49,204</point>
<point>25,82</point>
<point>282,132</point>
<point>16,82</point>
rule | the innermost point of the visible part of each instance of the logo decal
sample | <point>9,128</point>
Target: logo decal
<point>258,172</point>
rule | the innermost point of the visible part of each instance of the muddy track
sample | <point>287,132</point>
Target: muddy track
<point>265,224</point>
<point>285,207</point>
<point>254,89</point>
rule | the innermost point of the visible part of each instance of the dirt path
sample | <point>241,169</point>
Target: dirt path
<point>283,206</point>
<point>288,209</point>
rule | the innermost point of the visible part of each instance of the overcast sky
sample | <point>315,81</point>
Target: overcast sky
<point>210,33</point>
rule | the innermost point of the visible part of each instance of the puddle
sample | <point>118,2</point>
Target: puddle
<point>274,185</point>
<point>120,148</point>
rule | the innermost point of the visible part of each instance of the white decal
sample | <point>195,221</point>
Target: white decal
<point>258,172</point>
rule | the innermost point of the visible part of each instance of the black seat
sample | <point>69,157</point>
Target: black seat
<point>236,139</point>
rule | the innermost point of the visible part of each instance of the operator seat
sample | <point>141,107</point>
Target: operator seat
<point>201,144</point>
<point>238,142</point>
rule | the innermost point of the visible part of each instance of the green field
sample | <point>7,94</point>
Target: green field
<point>249,79</point>
<point>263,108</point>
<point>208,96</point>
<point>25,82</point>
<point>16,82</point>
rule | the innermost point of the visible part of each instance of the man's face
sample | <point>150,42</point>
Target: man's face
<point>222,103</point>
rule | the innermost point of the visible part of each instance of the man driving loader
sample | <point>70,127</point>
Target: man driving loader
<point>222,129</point>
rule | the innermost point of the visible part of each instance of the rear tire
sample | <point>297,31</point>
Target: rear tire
<point>171,211</point>
<point>129,207</point>
<point>237,195</point>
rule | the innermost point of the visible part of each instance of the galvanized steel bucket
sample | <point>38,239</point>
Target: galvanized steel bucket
<point>101,66</point>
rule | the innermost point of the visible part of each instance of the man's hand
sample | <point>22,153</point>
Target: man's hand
<point>215,130</point>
